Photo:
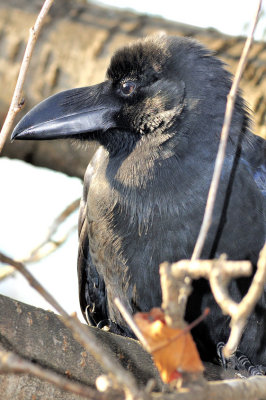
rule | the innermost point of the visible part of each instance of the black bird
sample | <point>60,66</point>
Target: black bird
<point>158,119</point>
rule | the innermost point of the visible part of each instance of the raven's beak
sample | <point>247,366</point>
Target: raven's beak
<point>70,113</point>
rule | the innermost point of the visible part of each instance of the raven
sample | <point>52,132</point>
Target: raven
<point>158,118</point>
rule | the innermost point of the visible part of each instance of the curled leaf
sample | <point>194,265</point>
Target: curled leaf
<point>173,350</point>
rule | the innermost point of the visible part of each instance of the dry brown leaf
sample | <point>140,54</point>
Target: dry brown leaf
<point>173,350</point>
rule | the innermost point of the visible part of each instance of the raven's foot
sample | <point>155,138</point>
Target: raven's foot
<point>222,360</point>
<point>239,361</point>
<point>105,324</point>
<point>111,326</point>
<point>244,363</point>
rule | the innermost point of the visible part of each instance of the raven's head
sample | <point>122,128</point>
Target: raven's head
<point>159,86</point>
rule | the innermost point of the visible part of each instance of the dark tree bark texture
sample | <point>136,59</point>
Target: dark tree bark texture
<point>40,336</point>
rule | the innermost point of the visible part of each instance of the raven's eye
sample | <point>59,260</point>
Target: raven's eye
<point>128,87</point>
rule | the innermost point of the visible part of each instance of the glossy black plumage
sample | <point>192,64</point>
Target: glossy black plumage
<point>158,118</point>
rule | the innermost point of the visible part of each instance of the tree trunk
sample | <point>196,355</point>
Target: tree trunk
<point>74,49</point>
<point>40,336</point>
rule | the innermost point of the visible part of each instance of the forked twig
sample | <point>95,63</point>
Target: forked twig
<point>219,273</point>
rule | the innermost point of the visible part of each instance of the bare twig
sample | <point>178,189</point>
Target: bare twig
<point>17,102</point>
<point>207,219</point>
<point>6,271</point>
<point>245,307</point>
<point>219,273</point>
<point>80,332</point>
<point>38,253</point>
<point>12,363</point>
<point>175,293</point>
<point>62,217</point>
<point>131,323</point>
<point>183,331</point>
<point>234,389</point>
<point>48,245</point>
<point>202,268</point>
<point>176,283</point>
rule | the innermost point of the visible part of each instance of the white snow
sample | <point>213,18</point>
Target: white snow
<point>31,198</point>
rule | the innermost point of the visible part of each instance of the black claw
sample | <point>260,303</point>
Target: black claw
<point>111,326</point>
<point>105,323</point>
<point>221,358</point>
<point>89,319</point>
<point>262,369</point>
<point>239,361</point>
<point>244,363</point>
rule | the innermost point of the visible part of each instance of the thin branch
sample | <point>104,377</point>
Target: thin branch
<point>131,323</point>
<point>245,307</point>
<point>183,332</point>
<point>175,293</point>
<point>6,271</point>
<point>235,389</point>
<point>176,283</point>
<point>17,102</point>
<point>202,268</point>
<point>176,277</point>
<point>83,335</point>
<point>36,253</point>
<point>207,219</point>
<point>48,245</point>
<point>62,217</point>
<point>12,363</point>
<point>46,248</point>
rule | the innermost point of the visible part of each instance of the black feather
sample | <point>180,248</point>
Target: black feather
<point>147,198</point>
<point>158,119</point>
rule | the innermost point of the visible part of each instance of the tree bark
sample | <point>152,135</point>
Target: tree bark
<point>40,336</point>
<point>74,49</point>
